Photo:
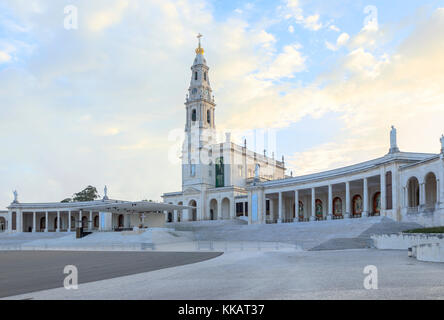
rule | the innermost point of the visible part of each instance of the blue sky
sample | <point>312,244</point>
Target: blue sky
<point>100,104</point>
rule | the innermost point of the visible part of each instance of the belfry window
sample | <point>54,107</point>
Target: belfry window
<point>195,75</point>
<point>205,76</point>
<point>208,116</point>
<point>194,115</point>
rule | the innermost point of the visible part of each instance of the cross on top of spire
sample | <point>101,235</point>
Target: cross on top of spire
<point>199,50</point>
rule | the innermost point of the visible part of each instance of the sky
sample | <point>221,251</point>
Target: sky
<point>93,92</point>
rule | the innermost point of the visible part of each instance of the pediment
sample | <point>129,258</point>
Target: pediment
<point>191,190</point>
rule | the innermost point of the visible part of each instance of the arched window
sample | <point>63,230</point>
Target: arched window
<point>209,116</point>
<point>430,190</point>
<point>195,75</point>
<point>194,115</point>
<point>357,205</point>
<point>337,206</point>
<point>205,76</point>
<point>301,210</point>
<point>413,192</point>
<point>377,203</point>
<point>318,207</point>
<point>388,190</point>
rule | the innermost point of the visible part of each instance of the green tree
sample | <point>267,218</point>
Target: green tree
<point>88,194</point>
<point>66,200</point>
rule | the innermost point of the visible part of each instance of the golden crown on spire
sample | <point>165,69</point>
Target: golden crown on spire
<point>199,50</point>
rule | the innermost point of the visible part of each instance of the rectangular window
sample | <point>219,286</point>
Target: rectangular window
<point>220,177</point>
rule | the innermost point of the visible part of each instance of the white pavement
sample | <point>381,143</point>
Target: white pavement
<point>273,275</point>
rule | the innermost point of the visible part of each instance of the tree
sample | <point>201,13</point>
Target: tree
<point>88,194</point>
<point>66,200</point>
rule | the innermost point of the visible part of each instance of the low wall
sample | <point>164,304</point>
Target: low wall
<point>403,241</point>
<point>431,252</point>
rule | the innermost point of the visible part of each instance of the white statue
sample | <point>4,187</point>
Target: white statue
<point>393,142</point>
<point>15,196</point>
<point>105,190</point>
<point>442,143</point>
<point>256,171</point>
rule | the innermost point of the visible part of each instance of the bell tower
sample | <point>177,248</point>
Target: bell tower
<point>200,126</point>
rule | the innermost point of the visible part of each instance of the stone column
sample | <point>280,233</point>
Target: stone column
<point>219,209</point>
<point>46,221</point>
<point>438,199</point>
<point>347,200</point>
<point>175,216</point>
<point>243,208</point>
<point>271,209</point>
<point>365,212</point>
<point>80,219</point>
<point>330,202</point>
<point>34,223</point>
<point>296,205</point>
<point>264,207</point>
<point>19,215</point>
<point>232,208</point>
<point>9,221</point>
<point>250,220</point>
<point>90,222</point>
<point>422,194</point>
<point>58,221</point>
<point>280,204</point>
<point>383,192</point>
<point>69,221</point>
<point>313,205</point>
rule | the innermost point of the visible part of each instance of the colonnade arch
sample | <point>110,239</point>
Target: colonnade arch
<point>430,190</point>
<point>413,192</point>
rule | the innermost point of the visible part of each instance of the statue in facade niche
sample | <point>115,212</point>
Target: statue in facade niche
<point>442,143</point>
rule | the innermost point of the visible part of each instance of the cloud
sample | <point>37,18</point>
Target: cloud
<point>294,11</point>
<point>334,28</point>
<point>4,57</point>
<point>286,64</point>
<point>104,18</point>
<point>341,41</point>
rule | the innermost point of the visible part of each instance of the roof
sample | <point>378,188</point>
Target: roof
<point>101,205</point>
<point>391,157</point>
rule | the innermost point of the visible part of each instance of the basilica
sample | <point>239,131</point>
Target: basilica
<point>225,180</point>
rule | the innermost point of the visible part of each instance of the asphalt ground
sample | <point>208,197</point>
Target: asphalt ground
<point>24,272</point>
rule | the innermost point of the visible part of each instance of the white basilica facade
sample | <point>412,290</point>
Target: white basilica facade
<point>225,180</point>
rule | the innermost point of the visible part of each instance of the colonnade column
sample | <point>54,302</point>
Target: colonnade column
<point>383,192</point>
<point>46,221</point>
<point>280,208</point>
<point>10,221</point>
<point>271,209</point>
<point>313,205</point>
<point>69,221</point>
<point>365,212</point>
<point>347,199</point>
<point>438,196</point>
<point>80,219</point>
<point>330,202</point>
<point>34,222</point>
<point>58,221</point>
<point>296,205</point>
<point>219,209</point>
<point>264,207</point>
<point>175,216</point>
<point>90,222</point>
<point>19,223</point>
<point>421,194</point>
